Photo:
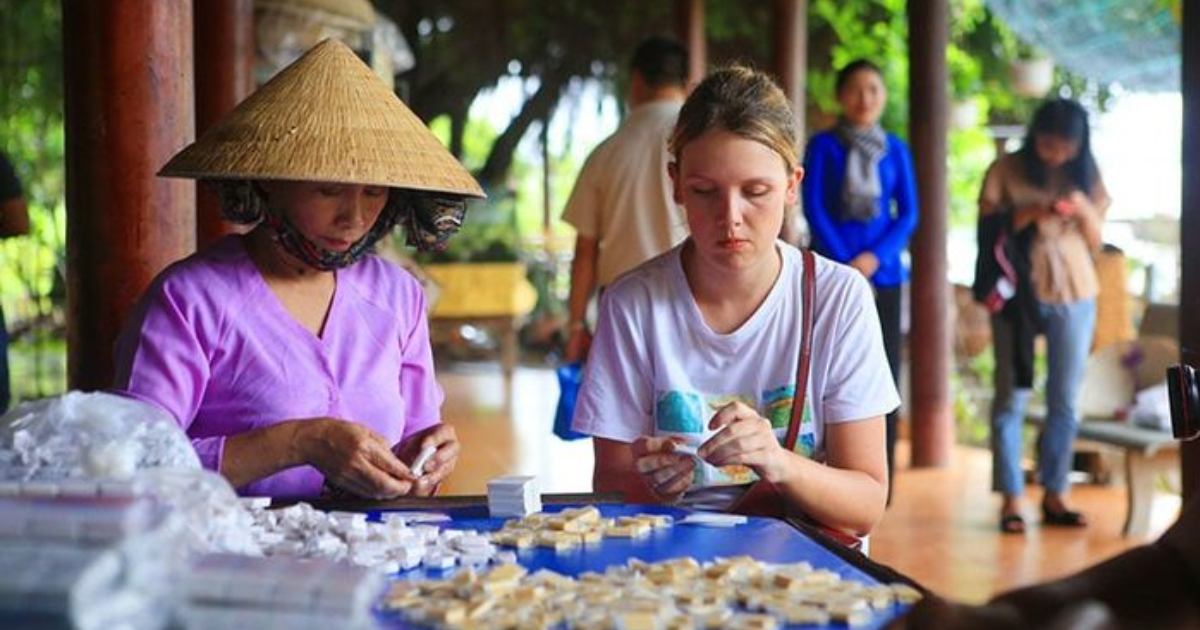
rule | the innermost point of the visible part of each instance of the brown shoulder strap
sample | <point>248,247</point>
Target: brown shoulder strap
<point>808,289</point>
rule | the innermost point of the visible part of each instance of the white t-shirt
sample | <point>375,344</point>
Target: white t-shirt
<point>623,197</point>
<point>656,368</point>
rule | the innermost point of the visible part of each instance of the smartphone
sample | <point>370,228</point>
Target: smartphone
<point>1185,401</point>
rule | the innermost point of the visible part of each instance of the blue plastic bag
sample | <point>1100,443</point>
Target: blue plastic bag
<point>570,376</point>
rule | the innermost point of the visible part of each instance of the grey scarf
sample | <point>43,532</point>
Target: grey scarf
<point>861,189</point>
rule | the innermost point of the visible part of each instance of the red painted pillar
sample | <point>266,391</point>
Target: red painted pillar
<point>929,339</point>
<point>1189,225</point>
<point>224,59</point>
<point>791,55</point>
<point>128,81</point>
<point>689,19</point>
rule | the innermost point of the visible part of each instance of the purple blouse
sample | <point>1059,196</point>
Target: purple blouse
<point>210,343</point>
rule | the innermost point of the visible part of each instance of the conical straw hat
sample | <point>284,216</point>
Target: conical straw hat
<point>325,118</point>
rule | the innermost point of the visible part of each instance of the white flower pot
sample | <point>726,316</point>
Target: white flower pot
<point>964,114</point>
<point>1031,77</point>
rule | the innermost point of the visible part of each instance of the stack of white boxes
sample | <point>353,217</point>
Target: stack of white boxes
<point>228,591</point>
<point>72,559</point>
<point>515,496</point>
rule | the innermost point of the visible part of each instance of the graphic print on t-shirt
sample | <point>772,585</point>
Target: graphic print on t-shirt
<point>777,407</point>
<point>687,414</point>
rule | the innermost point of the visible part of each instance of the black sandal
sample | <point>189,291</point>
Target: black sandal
<point>1012,524</point>
<point>1063,518</point>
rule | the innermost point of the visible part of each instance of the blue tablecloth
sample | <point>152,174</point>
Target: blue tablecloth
<point>765,539</point>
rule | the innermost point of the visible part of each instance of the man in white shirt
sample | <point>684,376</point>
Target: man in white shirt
<point>622,206</point>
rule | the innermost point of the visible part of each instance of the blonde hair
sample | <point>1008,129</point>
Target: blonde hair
<point>742,101</point>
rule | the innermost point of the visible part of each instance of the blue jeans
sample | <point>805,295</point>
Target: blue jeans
<point>1068,330</point>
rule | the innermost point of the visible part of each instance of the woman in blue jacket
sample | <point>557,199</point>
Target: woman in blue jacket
<point>860,199</point>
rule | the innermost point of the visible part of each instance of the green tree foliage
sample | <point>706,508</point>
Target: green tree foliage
<point>31,135</point>
<point>463,46</point>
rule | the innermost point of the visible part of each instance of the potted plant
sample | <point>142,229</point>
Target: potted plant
<point>1031,73</point>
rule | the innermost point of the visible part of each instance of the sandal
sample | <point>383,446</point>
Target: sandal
<point>1012,524</point>
<point>1063,518</point>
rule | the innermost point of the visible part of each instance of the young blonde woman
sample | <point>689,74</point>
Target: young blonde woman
<point>295,359</point>
<point>696,389</point>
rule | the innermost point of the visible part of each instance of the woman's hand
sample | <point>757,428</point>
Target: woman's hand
<point>667,473</point>
<point>578,344</point>
<point>441,437</point>
<point>866,263</point>
<point>746,438</point>
<point>1073,204</point>
<point>353,458</point>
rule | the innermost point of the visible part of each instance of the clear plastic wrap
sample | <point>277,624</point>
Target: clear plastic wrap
<point>105,512</point>
<point>89,435</point>
<point>214,519</point>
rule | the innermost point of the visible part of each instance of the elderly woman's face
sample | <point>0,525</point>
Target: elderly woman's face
<point>735,191</point>
<point>333,216</point>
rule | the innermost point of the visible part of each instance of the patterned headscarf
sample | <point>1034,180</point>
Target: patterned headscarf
<point>431,219</point>
<point>313,255</point>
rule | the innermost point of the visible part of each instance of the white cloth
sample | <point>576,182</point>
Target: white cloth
<point>623,195</point>
<point>656,368</point>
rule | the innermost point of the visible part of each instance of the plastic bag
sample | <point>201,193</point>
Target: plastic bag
<point>1152,408</point>
<point>215,521</point>
<point>89,436</point>
<point>570,377</point>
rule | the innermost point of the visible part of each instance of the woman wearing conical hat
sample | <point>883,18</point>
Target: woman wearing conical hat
<point>294,358</point>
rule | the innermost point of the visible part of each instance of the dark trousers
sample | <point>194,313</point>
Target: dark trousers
<point>888,303</point>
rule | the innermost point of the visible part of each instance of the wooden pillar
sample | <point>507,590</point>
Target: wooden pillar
<point>791,55</point>
<point>929,339</point>
<point>1189,225</point>
<point>128,83</point>
<point>689,20</point>
<point>224,60</point>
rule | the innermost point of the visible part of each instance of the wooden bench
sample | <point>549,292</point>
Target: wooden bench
<point>1148,454</point>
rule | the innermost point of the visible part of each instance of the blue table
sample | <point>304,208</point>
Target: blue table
<point>765,539</point>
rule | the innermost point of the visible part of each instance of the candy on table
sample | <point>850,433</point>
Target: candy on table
<point>401,541</point>
<point>905,594</point>
<point>677,594</point>
<point>575,526</point>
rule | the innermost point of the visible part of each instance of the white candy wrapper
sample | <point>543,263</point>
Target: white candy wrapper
<point>418,467</point>
<point>687,418</point>
<point>705,473</point>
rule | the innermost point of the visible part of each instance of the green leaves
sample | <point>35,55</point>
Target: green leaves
<point>31,135</point>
